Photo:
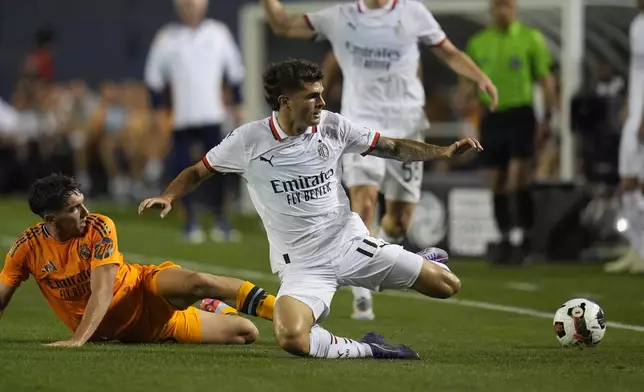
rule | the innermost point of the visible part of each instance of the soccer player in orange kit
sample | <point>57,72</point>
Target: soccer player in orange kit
<point>75,260</point>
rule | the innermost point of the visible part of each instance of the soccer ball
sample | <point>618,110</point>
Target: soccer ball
<point>579,322</point>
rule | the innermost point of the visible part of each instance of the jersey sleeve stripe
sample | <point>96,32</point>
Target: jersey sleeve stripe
<point>208,165</point>
<point>308,22</point>
<point>97,226</point>
<point>439,43</point>
<point>100,225</point>
<point>373,144</point>
<point>102,221</point>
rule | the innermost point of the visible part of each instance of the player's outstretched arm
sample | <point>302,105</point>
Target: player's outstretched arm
<point>405,150</point>
<point>284,25</point>
<point>186,182</point>
<point>102,289</point>
<point>6,292</point>
<point>463,65</point>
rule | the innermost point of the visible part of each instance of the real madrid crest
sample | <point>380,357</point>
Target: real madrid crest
<point>323,150</point>
<point>84,253</point>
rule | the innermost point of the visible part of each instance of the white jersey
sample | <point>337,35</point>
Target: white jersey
<point>377,50</point>
<point>636,78</point>
<point>194,62</point>
<point>294,183</point>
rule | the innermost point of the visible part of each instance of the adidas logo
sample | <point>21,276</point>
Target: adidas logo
<point>49,267</point>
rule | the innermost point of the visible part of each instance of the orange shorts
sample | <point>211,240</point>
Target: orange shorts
<point>156,320</point>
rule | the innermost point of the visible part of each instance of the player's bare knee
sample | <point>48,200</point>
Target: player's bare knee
<point>294,340</point>
<point>452,284</point>
<point>436,282</point>
<point>365,206</point>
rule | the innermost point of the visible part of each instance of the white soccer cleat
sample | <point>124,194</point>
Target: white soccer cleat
<point>195,236</point>
<point>362,309</point>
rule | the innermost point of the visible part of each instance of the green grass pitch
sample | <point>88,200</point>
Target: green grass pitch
<point>497,335</point>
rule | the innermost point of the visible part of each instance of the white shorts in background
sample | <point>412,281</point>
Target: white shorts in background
<point>367,262</point>
<point>398,181</point>
<point>631,155</point>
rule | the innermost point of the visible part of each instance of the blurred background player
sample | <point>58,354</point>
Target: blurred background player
<point>376,46</point>
<point>518,58</point>
<point>193,59</point>
<point>631,155</point>
<point>75,260</point>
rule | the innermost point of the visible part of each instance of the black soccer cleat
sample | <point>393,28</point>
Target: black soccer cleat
<point>383,350</point>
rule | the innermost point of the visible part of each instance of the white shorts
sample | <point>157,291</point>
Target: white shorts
<point>631,156</point>
<point>367,262</point>
<point>398,181</point>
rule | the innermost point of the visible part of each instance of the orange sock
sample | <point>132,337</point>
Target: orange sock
<point>255,301</point>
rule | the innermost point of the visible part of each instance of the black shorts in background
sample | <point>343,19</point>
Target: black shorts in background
<point>507,135</point>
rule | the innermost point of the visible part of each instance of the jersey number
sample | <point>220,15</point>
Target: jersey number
<point>411,171</point>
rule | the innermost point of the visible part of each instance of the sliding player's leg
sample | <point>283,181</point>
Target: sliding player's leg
<point>363,176</point>
<point>377,265</point>
<point>183,287</point>
<point>194,326</point>
<point>303,301</point>
<point>297,333</point>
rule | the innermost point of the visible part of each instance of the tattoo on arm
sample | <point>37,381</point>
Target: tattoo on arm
<point>405,150</point>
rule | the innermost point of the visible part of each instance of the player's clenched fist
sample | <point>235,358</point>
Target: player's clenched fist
<point>156,202</point>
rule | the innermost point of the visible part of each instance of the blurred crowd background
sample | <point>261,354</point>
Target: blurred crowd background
<point>72,98</point>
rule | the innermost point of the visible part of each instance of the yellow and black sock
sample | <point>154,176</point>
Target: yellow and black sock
<point>255,301</point>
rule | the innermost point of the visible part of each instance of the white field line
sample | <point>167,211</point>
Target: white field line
<point>266,277</point>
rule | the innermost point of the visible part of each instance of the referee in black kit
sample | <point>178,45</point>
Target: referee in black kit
<point>514,57</point>
<point>193,58</point>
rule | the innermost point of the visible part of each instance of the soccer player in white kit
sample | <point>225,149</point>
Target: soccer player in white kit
<point>376,46</point>
<point>291,162</point>
<point>631,155</point>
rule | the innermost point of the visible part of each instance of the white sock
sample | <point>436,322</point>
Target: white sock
<point>387,238</point>
<point>634,214</point>
<point>361,292</point>
<point>323,344</point>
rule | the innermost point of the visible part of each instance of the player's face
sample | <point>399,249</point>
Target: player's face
<point>70,221</point>
<point>191,12</point>
<point>307,104</point>
<point>504,11</point>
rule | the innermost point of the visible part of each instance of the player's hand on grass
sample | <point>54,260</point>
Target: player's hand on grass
<point>488,87</point>
<point>462,146</point>
<point>65,343</point>
<point>156,202</point>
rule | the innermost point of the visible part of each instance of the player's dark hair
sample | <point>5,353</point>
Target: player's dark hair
<point>289,76</point>
<point>51,193</point>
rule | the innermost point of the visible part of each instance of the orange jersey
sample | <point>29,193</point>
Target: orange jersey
<point>63,270</point>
